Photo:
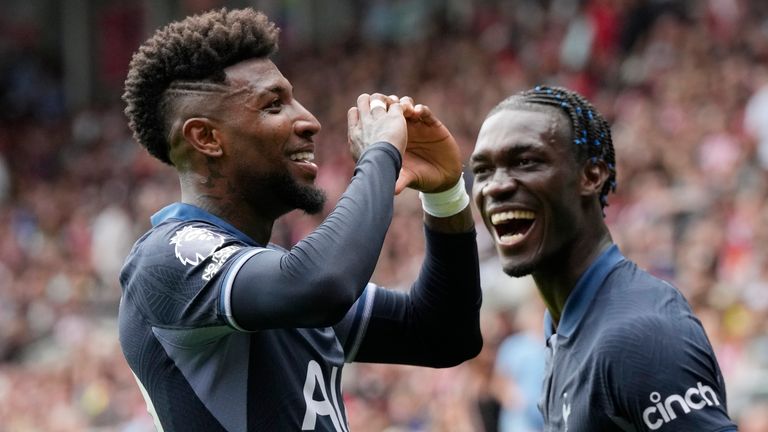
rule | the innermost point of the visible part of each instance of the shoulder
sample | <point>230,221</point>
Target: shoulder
<point>175,259</point>
<point>628,279</point>
<point>645,319</point>
<point>177,272</point>
<point>186,243</point>
<point>656,347</point>
<point>635,338</point>
<point>631,296</point>
<point>189,240</point>
<point>654,369</point>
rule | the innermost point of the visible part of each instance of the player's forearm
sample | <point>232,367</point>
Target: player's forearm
<point>458,223</point>
<point>448,291</point>
<point>437,323</point>
<point>449,280</point>
<point>320,278</point>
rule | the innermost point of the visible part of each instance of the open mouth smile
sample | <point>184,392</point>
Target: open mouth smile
<point>305,160</point>
<point>512,226</point>
<point>305,156</point>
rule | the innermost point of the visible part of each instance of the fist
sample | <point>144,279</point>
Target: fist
<point>375,119</point>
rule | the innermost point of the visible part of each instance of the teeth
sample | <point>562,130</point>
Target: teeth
<point>509,238</point>
<point>510,215</point>
<point>303,157</point>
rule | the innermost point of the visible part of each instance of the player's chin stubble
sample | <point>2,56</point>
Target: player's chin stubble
<point>307,198</point>
<point>287,191</point>
<point>519,271</point>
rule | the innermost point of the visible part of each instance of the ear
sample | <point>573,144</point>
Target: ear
<point>203,135</point>
<point>593,177</point>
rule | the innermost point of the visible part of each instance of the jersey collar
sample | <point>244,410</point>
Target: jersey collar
<point>585,290</point>
<point>188,212</point>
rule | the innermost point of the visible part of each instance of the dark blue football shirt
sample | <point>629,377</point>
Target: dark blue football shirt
<point>629,355</point>
<point>202,370</point>
<point>194,364</point>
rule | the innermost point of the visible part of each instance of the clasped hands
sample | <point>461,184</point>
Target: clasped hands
<point>431,157</point>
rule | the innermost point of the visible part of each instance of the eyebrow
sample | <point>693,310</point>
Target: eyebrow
<point>523,147</point>
<point>254,95</point>
<point>277,88</point>
<point>510,150</point>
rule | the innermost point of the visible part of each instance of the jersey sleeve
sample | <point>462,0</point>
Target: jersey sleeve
<point>175,275</point>
<point>436,323</point>
<point>662,375</point>
<point>350,331</point>
<point>315,283</point>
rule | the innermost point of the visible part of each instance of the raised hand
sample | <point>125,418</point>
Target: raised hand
<point>373,120</point>
<point>432,160</point>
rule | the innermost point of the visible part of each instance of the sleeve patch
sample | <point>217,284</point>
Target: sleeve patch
<point>217,261</point>
<point>194,244</point>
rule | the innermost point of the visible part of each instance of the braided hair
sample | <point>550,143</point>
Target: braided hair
<point>187,57</point>
<point>591,133</point>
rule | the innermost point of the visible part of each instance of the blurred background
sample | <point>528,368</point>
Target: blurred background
<point>683,83</point>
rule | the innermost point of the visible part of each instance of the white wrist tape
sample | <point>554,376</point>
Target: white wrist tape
<point>446,203</point>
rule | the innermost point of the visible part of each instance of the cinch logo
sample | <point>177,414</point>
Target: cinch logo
<point>695,398</point>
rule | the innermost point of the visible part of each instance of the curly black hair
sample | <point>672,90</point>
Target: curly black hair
<point>197,49</point>
<point>591,133</point>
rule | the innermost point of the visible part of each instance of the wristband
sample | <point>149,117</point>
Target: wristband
<point>446,203</point>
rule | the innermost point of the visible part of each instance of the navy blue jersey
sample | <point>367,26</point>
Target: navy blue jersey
<point>225,334</point>
<point>629,355</point>
<point>197,369</point>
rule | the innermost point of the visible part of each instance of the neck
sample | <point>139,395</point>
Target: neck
<point>557,278</point>
<point>197,190</point>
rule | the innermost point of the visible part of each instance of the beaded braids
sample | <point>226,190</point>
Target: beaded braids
<point>591,133</point>
<point>186,57</point>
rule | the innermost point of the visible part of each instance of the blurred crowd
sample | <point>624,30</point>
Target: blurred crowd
<point>683,83</point>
